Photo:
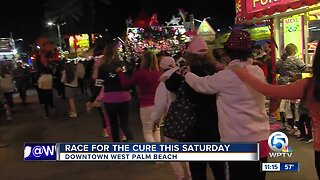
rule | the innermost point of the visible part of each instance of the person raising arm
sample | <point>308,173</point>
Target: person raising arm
<point>289,91</point>
<point>307,89</point>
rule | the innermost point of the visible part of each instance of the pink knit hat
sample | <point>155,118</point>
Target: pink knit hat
<point>198,46</point>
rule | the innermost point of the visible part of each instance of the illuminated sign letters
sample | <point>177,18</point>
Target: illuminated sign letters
<point>264,2</point>
<point>259,5</point>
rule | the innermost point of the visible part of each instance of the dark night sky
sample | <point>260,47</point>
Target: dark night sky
<point>25,18</point>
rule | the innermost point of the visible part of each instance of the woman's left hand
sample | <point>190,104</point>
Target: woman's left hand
<point>184,70</point>
<point>156,125</point>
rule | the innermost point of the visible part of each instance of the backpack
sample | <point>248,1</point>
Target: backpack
<point>180,119</point>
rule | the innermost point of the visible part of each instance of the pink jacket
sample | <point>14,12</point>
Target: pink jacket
<point>147,82</point>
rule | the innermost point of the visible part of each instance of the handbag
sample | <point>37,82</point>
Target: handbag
<point>180,119</point>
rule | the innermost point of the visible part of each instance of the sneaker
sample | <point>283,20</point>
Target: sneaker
<point>301,138</point>
<point>88,106</point>
<point>308,141</point>
<point>297,133</point>
<point>124,138</point>
<point>290,132</point>
<point>105,133</point>
<point>45,117</point>
<point>3,144</point>
<point>73,115</point>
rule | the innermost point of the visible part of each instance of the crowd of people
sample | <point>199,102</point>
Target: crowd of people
<point>214,84</point>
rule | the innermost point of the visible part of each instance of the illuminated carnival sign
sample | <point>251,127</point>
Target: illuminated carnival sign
<point>259,5</point>
<point>79,44</point>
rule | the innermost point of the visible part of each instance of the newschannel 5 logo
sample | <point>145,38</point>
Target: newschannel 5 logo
<point>40,151</point>
<point>279,144</point>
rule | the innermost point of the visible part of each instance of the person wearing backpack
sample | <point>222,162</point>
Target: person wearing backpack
<point>205,128</point>
<point>162,101</point>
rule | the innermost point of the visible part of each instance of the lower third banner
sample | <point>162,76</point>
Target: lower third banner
<point>100,151</point>
<point>157,152</point>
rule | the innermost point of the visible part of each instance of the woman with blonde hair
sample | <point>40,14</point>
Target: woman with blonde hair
<point>116,97</point>
<point>147,81</point>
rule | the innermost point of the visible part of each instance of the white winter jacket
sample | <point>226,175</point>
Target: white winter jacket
<point>163,97</point>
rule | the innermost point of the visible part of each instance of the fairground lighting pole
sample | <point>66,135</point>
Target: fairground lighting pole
<point>59,33</point>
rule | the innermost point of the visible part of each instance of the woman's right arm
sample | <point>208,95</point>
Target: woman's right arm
<point>289,91</point>
<point>128,82</point>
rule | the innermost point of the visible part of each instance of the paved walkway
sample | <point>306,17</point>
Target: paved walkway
<point>28,126</point>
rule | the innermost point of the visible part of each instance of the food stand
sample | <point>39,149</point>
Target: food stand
<point>290,21</point>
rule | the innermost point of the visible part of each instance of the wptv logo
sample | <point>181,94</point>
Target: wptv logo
<point>279,143</point>
<point>40,151</point>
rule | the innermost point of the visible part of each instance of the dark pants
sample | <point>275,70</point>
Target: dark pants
<point>291,122</point>
<point>85,86</point>
<point>101,114</point>
<point>23,93</point>
<point>80,81</point>
<point>199,170</point>
<point>317,162</point>
<point>9,98</point>
<point>60,89</point>
<point>246,170</point>
<point>92,88</point>
<point>119,112</point>
<point>305,122</point>
<point>47,100</point>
